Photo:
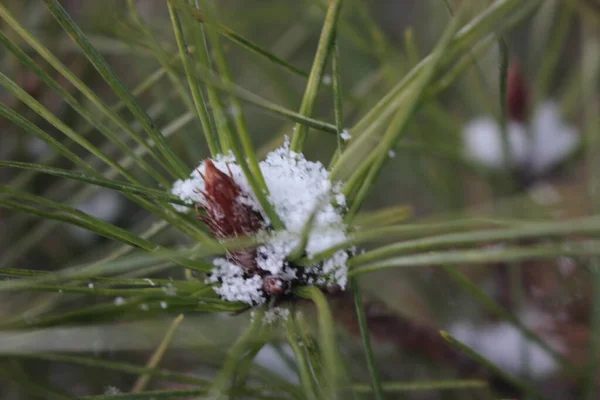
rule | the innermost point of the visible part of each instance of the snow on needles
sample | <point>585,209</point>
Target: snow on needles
<point>299,190</point>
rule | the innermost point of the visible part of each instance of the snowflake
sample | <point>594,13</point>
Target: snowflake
<point>345,135</point>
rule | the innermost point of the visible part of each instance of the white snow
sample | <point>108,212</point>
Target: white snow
<point>275,314</point>
<point>553,139</point>
<point>37,148</point>
<point>546,142</point>
<point>119,301</point>
<point>298,189</point>
<point>340,200</point>
<point>503,344</point>
<point>345,135</point>
<point>269,358</point>
<point>234,287</point>
<point>169,289</point>
<point>483,143</point>
<point>105,205</point>
<point>544,194</point>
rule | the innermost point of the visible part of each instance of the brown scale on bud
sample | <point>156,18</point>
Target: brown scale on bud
<point>517,94</point>
<point>227,216</point>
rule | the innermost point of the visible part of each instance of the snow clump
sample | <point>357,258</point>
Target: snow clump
<point>298,190</point>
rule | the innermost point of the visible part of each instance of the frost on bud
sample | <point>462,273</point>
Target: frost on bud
<point>227,215</point>
<point>517,94</point>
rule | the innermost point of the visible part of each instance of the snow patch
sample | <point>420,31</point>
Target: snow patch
<point>546,142</point>
<point>233,285</point>
<point>483,143</point>
<point>503,344</point>
<point>553,139</point>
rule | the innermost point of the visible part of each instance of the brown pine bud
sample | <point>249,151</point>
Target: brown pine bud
<point>228,217</point>
<point>517,94</point>
<point>274,286</point>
